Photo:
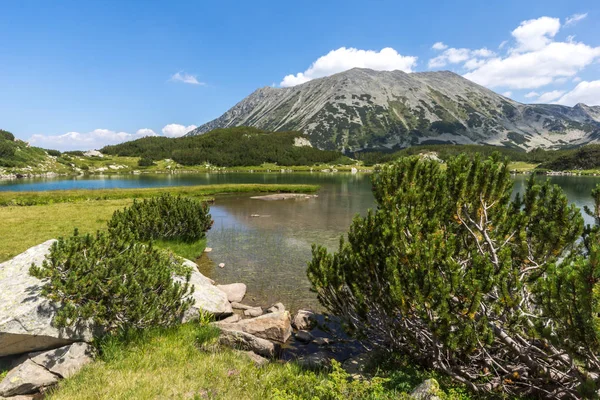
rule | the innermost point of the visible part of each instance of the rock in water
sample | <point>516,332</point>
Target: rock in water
<point>235,291</point>
<point>207,298</point>
<point>253,312</point>
<point>277,307</point>
<point>25,316</point>
<point>428,390</point>
<point>304,336</point>
<point>27,378</point>
<point>315,361</point>
<point>245,341</point>
<point>304,320</point>
<point>272,326</point>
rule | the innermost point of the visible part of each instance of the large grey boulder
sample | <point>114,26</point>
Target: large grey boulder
<point>27,378</point>
<point>25,316</point>
<point>207,297</point>
<point>245,341</point>
<point>235,291</point>
<point>65,361</point>
<point>304,320</point>
<point>272,326</point>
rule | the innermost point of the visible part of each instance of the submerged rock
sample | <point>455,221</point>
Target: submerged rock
<point>25,315</point>
<point>235,291</point>
<point>253,312</point>
<point>304,320</point>
<point>304,336</point>
<point>272,326</point>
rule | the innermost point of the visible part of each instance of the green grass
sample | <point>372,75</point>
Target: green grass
<point>8,198</point>
<point>191,251</point>
<point>184,363</point>
<point>522,166</point>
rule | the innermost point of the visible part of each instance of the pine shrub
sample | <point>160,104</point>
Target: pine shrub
<point>501,293</point>
<point>114,281</point>
<point>165,217</point>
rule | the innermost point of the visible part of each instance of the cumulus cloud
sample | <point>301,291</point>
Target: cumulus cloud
<point>507,94</point>
<point>439,46</point>
<point>550,96</point>
<point>535,34</point>
<point>176,130</point>
<point>185,78</point>
<point>86,141</point>
<point>532,95</point>
<point>575,18</point>
<point>99,138</point>
<point>344,59</point>
<point>472,58</point>
<point>585,92</point>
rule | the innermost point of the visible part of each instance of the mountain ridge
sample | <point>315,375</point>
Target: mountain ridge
<point>363,109</point>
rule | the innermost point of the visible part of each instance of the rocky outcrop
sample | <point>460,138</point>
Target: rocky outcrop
<point>272,326</point>
<point>25,315</point>
<point>245,341</point>
<point>36,371</point>
<point>235,291</point>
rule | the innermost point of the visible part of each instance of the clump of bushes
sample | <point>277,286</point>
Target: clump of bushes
<point>500,293</point>
<point>54,153</point>
<point>116,282</point>
<point>6,135</point>
<point>145,162</point>
<point>165,217</point>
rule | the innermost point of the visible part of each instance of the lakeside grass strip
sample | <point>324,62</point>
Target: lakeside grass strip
<point>9,198</point>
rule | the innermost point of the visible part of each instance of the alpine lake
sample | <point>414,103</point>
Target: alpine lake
<point>267,244</point>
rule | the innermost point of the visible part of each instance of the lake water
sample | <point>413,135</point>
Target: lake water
<point>269,252</point>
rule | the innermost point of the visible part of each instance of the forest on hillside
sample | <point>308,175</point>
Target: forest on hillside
<point>228,147</point>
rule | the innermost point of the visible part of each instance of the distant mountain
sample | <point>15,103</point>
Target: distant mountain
<point>364,109</point>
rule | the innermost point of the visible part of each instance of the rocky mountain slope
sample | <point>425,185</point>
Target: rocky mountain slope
<point>365,109</point>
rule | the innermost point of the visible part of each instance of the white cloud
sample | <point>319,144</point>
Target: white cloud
<point>344,59</point>
<point>550,96</point>
<point>504,43</point>
<point>457,56</point>
<point>95,139</point>
<point>532,94</point>
<point>439,46</point>
<point>176,130</point>
<point>185,78</point>
<point>99,138</point>
<point>535,34</point>
<point>585,92</point>
<point>577,79</point>
<point>575,18</point>
<point>507,94</point>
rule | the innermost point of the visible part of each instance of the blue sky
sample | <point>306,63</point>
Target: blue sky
<point>79,74</point>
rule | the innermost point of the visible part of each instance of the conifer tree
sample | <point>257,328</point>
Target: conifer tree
<point>497,292</point>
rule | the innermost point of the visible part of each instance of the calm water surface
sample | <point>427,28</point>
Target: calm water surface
<point>269,251</point>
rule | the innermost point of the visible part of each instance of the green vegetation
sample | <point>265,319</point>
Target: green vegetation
<point>183,362</point>
<point>114,281</point>
<point>164,217</point>
<point>230,147</point>
<point>8,198</point>
<point>500,293</point>
<point>16,153</point>
<point>582,158</point>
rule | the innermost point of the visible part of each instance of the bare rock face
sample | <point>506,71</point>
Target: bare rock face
<point>25,316</point>
<point>235,291</point>
<point>272,326</point>
<point>27,378</point>
<point>245,341</point>
<point>65,361</point>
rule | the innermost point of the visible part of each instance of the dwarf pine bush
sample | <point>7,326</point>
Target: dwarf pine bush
<point>501,293</point>
<point>165,217</point>
<point>116,282</point>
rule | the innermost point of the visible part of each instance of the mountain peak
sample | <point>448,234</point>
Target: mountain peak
<point>362,109</point>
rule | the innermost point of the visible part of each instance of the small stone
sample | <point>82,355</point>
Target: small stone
<point>254,215</point>
<point>315,361</point>
<point>304,320</point>
<point>208,249</point>
<point>231,319</point>
<point>240,306</point>
<point>323,341</point>
<point>428,390</point>
<point>235,291</point>
<point>277,307</point>
<point>222,265</point>
<point>253,312</point>
<point>256,359</point>
<point>304,336</point>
